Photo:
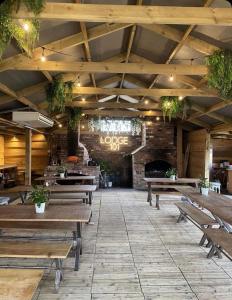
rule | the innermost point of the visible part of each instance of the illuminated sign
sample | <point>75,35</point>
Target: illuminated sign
<point>114,141</point>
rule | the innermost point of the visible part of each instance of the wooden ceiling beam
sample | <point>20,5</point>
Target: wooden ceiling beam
<point>119,105</point>
<point>141,92</point>
<point>104,67</point>
<point>135,14</point>
<point>221,127</point>
<point>61,44</point>
<point>122,113</point>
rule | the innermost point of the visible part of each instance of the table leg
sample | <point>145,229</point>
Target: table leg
<point>149,195</point>
<point>90,198</point>
<point>78,251</point>
<point>23,196</point>
<point>59,273</point>
<point>157,201</point>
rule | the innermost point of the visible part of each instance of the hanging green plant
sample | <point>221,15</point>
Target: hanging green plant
<point>26,32</point>
<point>171,106</point>
<point>220,72</point>
<point>74,116</point>
<point>58,94</point>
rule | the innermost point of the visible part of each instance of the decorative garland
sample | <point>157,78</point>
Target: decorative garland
<point>220,72</point>
<point>172,106</point>
<point>9,29</point>
<point>58,94</point>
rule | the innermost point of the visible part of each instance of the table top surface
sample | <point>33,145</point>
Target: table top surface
<point>81,177</point>
<point>217,204</point>
<point>19,284</point>
<point>168,180</point>
<point>53,188</point>
<point>53,213</point>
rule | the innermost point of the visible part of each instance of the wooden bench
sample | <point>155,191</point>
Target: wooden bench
<point>196,216</point>
<point>221,242</point>
<point>73,196</point>
<point>56,251</point>
<point>19,284</point>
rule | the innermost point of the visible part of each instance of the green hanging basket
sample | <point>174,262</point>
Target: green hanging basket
<point>171,106</point>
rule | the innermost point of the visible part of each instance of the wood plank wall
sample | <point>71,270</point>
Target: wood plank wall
<point>198,145</point>
<point>15,152</point>
<point>1,150</point>
<point>222,150</point>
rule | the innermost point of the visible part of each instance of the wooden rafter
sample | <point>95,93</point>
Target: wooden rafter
<point>122,113</point>
<point>136,14</point>
<point>104,67</point>
<point>93,104</point>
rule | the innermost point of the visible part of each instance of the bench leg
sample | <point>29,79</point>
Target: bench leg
<point>59,274</point>
<point>203,239</point>
<point>214,251</point>
<point>157,197</point>
<point>181,218</point>
<point>149,194</point>
<point>78,250</point>
<point>90,198</point>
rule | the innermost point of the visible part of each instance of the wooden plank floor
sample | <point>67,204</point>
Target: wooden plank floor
<point>135,252</point>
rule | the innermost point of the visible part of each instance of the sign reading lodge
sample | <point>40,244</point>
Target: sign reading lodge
<point>114,141</point>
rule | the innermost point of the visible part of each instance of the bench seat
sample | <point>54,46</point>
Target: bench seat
<point>220,239</point>
<point>56,251</point>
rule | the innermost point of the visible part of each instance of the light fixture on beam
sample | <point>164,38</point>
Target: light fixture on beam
<point>43,57</point>
<point>180,98</point>
<point>26,27</point>
<point>171,78</point>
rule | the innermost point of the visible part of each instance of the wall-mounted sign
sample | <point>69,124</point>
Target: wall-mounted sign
<point>114,141</point>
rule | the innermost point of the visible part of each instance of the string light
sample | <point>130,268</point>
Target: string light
<point>83,126</point>
<point>146,102</point>
<point>171,78</point>
<point>149,123</point>
<point>60,125</point>
<point>82,114</point>
<point>157,118</point>
<point>180,98</point>
<point>43,58</point>
<point>83,99</point>
<point>26,26</point>
<point>78,83</point>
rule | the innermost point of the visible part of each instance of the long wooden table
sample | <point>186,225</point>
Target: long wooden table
<point>14,214</point>
<point>18,284</point>
<point>217,204</point>
<point>88,178</point>
<point>23,190</point>
<point>154,183</point>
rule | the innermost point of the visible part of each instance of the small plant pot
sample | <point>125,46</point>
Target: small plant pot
<point>62,175</point>
<point>40,209</point>
<point>173,177</point>
<point>205,191</point>
<point>110,184</point>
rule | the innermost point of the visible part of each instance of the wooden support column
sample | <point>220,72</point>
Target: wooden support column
<point>207,155</point>
<point>28,138</point>
<point>179,150</point>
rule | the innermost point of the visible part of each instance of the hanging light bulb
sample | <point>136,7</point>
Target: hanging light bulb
<point>157,118</point>
<point>43,57</point>
<point>180,98</point>
<point>171,78</point>
<point>146,102</point>
<point>83,99</point>
<point>82,114</point>
<point>78,83</point>
<point>60,125</point>
<point>26,26</point>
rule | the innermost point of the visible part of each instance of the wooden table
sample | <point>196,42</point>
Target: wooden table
<point>19,284</point>
<point>83,179</point>
<point>23,190</point>
<point>53,214</point>
<point>157,182</point>
<point>217,204</point>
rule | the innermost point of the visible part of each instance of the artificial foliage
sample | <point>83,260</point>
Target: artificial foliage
<point>171,107</point>
<point>74,115</point>
<point>11,28</point>
<point>59,93</point>
<point>220,72</point>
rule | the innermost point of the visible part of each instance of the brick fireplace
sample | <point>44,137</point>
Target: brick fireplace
<point>157,156</point>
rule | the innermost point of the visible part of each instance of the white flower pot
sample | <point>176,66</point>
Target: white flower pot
<point>61,175</point>
<point>173,177</point>
<point>40,209</point>
<point>205,191</point>
<point>109,184</point>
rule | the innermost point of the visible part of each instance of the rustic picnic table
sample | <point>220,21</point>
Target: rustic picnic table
<point>23,190</point>
<point>218,204</point>
<point>88,178</point>
<point>19,284</point>
<point>166,183</point>
<point>53,214</point>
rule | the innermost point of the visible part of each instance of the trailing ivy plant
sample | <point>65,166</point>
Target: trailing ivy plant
<point>58,94</point>
<point>10,29</point>
<point>74,115</point>
<point>220,72</point>
<point>171,106</point>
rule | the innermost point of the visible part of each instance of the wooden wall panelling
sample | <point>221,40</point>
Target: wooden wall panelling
<point>1,150</point>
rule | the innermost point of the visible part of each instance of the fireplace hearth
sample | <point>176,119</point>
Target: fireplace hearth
<point>157,168</point>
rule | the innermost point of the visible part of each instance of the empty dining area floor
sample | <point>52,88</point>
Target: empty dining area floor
<point>134,251</point>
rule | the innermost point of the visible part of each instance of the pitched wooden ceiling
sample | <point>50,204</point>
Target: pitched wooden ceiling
<point>124,53</point>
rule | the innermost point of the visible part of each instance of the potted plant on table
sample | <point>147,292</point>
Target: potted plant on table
<point>61,170</point>
<point>204,186</point>
<point>171,173</point>
<point>39,196</point>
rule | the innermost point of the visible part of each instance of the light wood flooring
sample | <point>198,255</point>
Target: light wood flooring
<point>135,252</point>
